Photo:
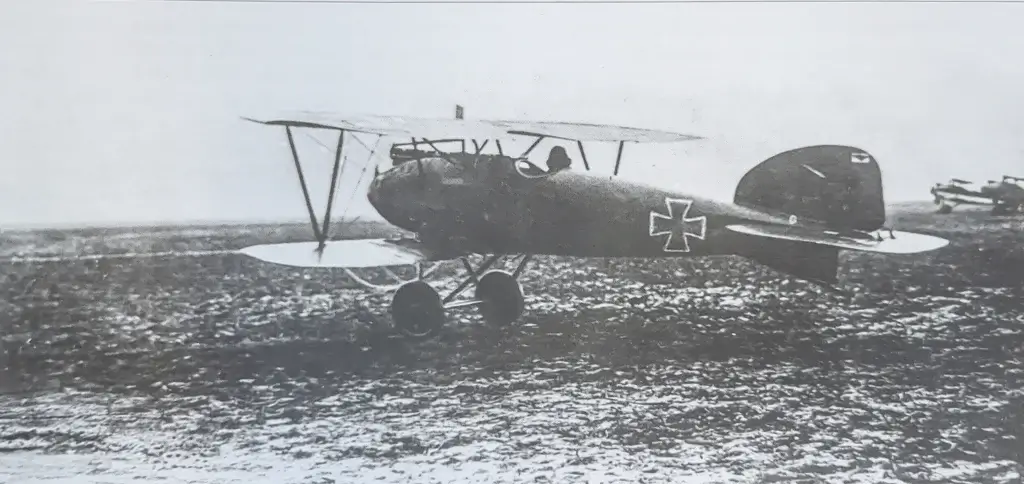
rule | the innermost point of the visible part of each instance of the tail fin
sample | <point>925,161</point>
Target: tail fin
<point>839,186</point>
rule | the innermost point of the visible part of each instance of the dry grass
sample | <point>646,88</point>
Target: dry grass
<point>938,333</point>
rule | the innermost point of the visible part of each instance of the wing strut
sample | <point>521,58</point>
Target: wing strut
<point>334,185</point>
<point>305,188</point>
<point>479,149</point>
<point>583,155</point>
<point>534,145</point>
<point>618,158</point>
<point>321,230</point>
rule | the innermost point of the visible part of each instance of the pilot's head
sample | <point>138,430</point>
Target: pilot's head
<point>558,159</point>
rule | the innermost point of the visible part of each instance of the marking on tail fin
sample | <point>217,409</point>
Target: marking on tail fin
<point>678,231</point>
<point>816,172</point>
<point>860,158</point>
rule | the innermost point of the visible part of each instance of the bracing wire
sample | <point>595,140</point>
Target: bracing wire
<point>344,165</point>
<point>581,2</point>
<point>362,174</point>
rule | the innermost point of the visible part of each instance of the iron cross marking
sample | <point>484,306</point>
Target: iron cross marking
<point>677,226</point>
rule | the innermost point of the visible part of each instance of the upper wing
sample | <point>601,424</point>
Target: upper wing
<point>1014,180</point>
<point>437,128</point>
<point>398,126</point>
<point>899,243</point>
<point>349,254</point>
<point>592,132</point>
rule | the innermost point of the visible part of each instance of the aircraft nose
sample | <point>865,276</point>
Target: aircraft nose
<point>376,186</point>
<point>385,190</point>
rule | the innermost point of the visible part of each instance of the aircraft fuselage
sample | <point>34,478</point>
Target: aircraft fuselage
<point>495,207</point>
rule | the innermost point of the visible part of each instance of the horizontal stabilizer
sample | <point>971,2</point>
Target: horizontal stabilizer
<point>898,243</point>
<point>349,254</point>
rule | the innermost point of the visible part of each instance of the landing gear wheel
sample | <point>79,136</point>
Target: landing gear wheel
<point>501,296</point>
<point>945,208</point>
<point>417,310</point>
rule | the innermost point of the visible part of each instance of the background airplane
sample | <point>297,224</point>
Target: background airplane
<point>1005,196</point>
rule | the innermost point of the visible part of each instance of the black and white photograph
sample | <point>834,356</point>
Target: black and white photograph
<point>501,241</point>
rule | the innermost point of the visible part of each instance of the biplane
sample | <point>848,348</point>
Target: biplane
<point>793,212</point>
<point>1005,196</point>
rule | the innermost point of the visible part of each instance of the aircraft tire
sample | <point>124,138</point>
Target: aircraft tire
<point>501,296</point>
<point>945,208</point>
<point>417,311</point>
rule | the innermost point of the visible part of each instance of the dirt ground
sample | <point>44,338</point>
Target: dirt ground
<point>210,367</point>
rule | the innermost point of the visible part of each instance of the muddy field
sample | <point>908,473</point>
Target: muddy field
<point>210,367</point>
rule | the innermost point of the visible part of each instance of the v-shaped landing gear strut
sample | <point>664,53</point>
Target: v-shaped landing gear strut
<point>418,310</point>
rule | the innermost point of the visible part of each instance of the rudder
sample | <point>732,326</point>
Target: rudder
<point>810,262</point>
<point>839,186</point>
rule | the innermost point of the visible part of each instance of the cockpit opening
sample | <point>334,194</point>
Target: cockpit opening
<point>526,169</point>
<point>557,159</point>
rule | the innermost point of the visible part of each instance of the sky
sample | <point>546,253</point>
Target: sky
<point>129,112</point>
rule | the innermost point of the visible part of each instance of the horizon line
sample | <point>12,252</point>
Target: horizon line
<point>182,223</point>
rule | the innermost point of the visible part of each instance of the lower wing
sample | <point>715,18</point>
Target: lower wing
<point>898,243</point>
<point>349,254</point>
<point>964,198</point>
